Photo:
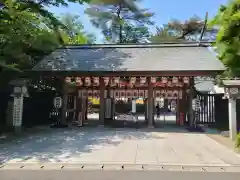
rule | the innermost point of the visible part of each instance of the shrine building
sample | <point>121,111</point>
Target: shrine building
<point>147,71</point>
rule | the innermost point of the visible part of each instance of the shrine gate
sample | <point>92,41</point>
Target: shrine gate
<point>151,72</point>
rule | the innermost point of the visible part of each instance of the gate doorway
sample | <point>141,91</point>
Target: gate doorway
<point>129,108</point>
<point>83,107</point>
<point>168,102</point>
<point>91,106</point>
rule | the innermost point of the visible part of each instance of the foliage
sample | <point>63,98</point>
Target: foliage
<point>74,32</point>
<point>135,34</point>
<point>129,3</point>
<point>114,18</point>
<point>27,33</point>
<point>228,38</point>
<point>163,34</point>
<point>18,40</point>
<point>237,141</point>
<point>189,30</point>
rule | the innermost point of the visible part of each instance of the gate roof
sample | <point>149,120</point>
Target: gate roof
<point>168,57</point>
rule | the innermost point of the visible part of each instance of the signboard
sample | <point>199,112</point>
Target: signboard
<point>17,111</point>
<point>57,102</point>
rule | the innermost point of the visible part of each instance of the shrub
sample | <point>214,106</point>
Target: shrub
<point>237,143</point>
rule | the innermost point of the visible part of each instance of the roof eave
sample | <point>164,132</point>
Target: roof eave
<point>123,73</point>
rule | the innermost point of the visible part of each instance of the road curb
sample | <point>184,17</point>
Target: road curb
<point>118,167</point>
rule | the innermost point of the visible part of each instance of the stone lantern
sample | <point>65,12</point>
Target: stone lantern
<point>232,93</point>
<point>19,92</point>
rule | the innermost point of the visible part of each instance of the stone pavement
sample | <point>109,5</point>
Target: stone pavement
<point>114,175</point>
<point>103,146</point>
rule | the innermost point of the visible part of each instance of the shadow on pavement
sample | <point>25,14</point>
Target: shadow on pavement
<point>56,145</point>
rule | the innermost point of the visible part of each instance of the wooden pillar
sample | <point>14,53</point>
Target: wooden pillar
<point>150,103</point>
<point>181,108</point>
<point>64,104</point>
<point>190,109</point>
<point>79,118</point>
<point>102,102</point>
<point>184,105</point>
<point>109,105</point>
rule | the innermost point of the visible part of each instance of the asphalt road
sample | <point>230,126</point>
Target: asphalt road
<point>113,175</point>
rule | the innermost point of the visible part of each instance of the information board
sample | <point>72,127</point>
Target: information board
<point>17,111</point>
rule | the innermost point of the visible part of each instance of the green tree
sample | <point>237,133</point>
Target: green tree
<point>227,43</point>
<point>26,37</point>
<point>74,32</point>
<point>135,34</point>
<point>189,30</point>
<point>111,17</point>
<point>163,34</point>
<point>19,21</point>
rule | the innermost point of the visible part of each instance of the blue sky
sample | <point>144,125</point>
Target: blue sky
<point>164,10</point>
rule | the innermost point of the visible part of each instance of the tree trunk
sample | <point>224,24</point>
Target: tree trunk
<point>120,34</point>
<point>120,23</point>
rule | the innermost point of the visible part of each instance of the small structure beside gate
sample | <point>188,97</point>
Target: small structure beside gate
<point>232,93</point>
<point>19,93</point>
<point>147,71</point>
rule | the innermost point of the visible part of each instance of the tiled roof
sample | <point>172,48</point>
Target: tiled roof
<point>147,57</point>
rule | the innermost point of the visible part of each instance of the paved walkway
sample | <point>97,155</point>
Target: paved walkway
<point>117,146</point>
<point>114,175</point>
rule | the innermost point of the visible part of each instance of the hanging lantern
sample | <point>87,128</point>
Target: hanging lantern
<point>129,94</point>
<point>141,93</point>
<point>169,95</point>
<point>170,84</point>
<point>135,93</point>
<point>186,80</point>
<point>68,79</point>
<point>90,93</point>
<point>157,94</point>
<point>106,80</point>
<point>143,80</point>
<point>96,81</point>
<point>164,80</point>
<point>78,81</point>
<point>133,80</point>
<point>95,93</point>
<point>116,94</point>
<point>113,82</point>
<point>153,80</point>
<point>87,81</point>
<point>175,94</point>
<point>174,80</point>
<point>122,94</point>
<point>117,80</point>
<point>180,84</point>
<point>164,94</point>
<point>122,83</point>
